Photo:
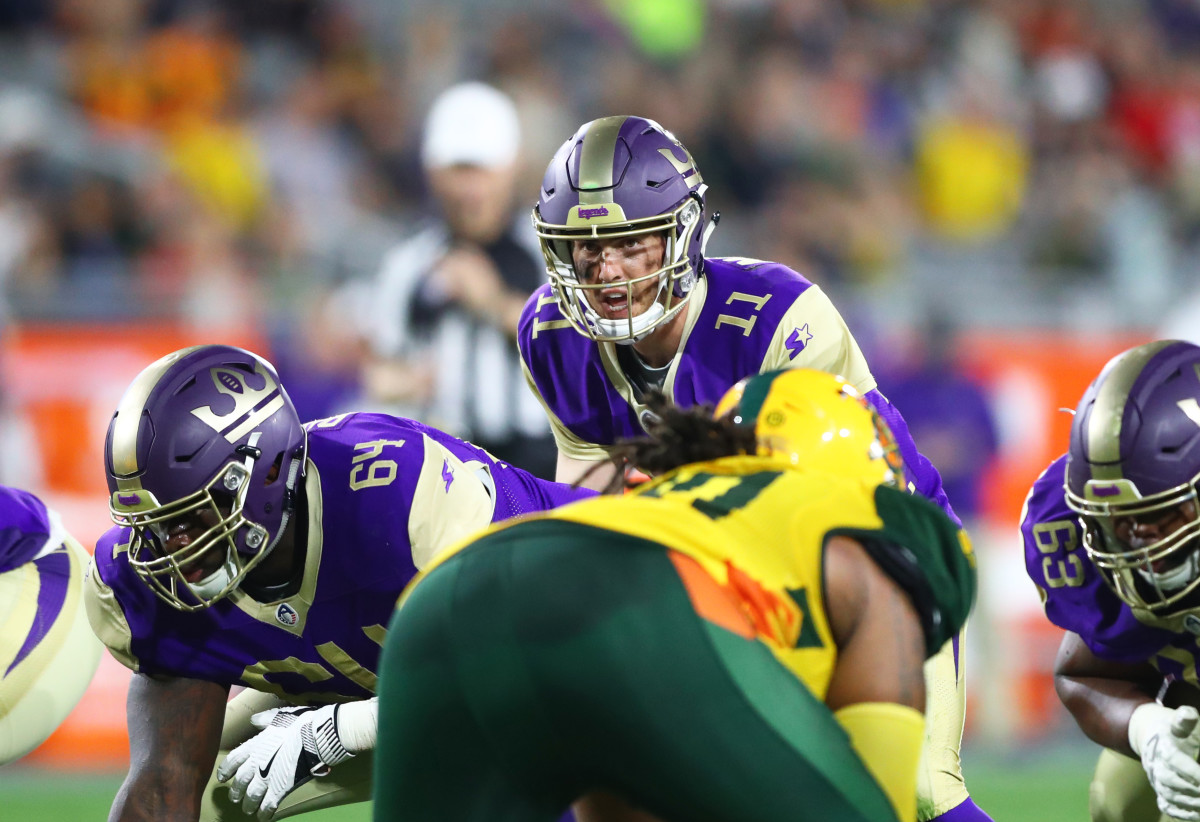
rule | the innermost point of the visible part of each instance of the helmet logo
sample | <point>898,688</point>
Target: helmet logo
<point>228,379</point>
<point>691,175</point>
<point>128,499</point>
<point>286,615</point>
<point>589,213</point>
<point>246,399</point>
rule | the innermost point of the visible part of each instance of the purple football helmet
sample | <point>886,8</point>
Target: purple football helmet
<point>204,435</point>
<point>1132,469</point>
<point>622,177</point>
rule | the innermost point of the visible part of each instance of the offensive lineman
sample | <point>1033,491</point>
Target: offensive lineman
<point>251,550</point>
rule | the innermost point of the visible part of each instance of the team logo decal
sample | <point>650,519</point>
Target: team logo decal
<point>227,378</point>
<point>251,406</point>
<point>286,614</point>
<point>798,340</point>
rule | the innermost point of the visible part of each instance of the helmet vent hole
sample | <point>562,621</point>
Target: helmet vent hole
<point>188,383</point>
<point>187,457</point>
<point>656,183</point>
<point>273,473</point>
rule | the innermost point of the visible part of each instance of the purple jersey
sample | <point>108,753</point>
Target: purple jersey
<point>384,495</point>
<point>745,317</point>
<point>26,528</point>
<point>1076,597</point>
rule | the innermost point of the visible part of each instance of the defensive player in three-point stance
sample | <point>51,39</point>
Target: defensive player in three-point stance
<point>47,651</point>
<point>633,303</point>
<point>1110,531</point>
<point>251,550</point>
<point>740,639</point>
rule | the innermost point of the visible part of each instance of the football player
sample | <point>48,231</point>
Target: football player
<point>741,638</point>
<point>251,550</point>
<point>633,303</point>
<point>47,651</point>
<point>1110,534</point>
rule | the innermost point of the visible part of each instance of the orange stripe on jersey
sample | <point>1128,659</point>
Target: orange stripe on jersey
<point>710,599</point>
<point>773,617</point>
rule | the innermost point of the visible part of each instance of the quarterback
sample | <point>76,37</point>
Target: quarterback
<point>47,651</point>
<point>633,303</point>
<point>1110,532</point>
<point>740,639</point>
<point>250,550</point>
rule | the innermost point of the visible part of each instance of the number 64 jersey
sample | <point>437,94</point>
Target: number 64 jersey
<point>384,495</point>
<point>1076,597</point>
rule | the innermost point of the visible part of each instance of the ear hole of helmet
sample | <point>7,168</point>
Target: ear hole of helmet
<point>273,471</point>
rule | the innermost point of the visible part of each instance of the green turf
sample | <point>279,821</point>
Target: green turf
<point>1039,786</point>
<point>31,795</point>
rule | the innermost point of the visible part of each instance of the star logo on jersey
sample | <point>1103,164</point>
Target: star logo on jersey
<point>286,615</point>
<point>798,340</point>
<point>447,474</point>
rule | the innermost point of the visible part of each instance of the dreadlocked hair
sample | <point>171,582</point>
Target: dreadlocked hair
<point>679,436</point>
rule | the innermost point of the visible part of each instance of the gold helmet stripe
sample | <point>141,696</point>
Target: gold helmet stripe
<point>255,419</point>
<point>129,412</point>
<point>596,160</point>
<point>1104,424</point>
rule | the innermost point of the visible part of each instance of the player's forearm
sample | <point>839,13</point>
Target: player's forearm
<point>147,798</point>
<point>1102,707</point>
<point>597,475</point>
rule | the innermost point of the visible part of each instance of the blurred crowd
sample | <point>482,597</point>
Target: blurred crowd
<point>228,164</point>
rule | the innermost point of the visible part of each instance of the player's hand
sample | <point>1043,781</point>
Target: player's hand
<point>1168,742</point>
<point>295,745</point>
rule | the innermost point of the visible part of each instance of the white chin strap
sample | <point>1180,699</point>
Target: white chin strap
<point>1175,578</point>
<point>215,582</point>
<point>641,325</point>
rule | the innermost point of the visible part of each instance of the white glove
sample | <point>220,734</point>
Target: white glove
<point>1168,742</point>
<point>295,745</point>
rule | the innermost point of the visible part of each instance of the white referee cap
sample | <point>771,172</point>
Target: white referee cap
<point>471,124</point>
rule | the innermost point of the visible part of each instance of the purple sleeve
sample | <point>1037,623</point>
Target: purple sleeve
<point>1075,596</point>
<point>924,476</point>
<point>519,492</point>
<point>24,527</point>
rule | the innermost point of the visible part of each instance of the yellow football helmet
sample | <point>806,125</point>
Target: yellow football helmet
<point>816,421</point>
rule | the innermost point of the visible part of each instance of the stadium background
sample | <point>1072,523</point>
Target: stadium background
<point>998,194</point>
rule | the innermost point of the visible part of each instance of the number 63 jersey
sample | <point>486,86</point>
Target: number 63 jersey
<point>1076,597</point>
<point>384,495</point>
